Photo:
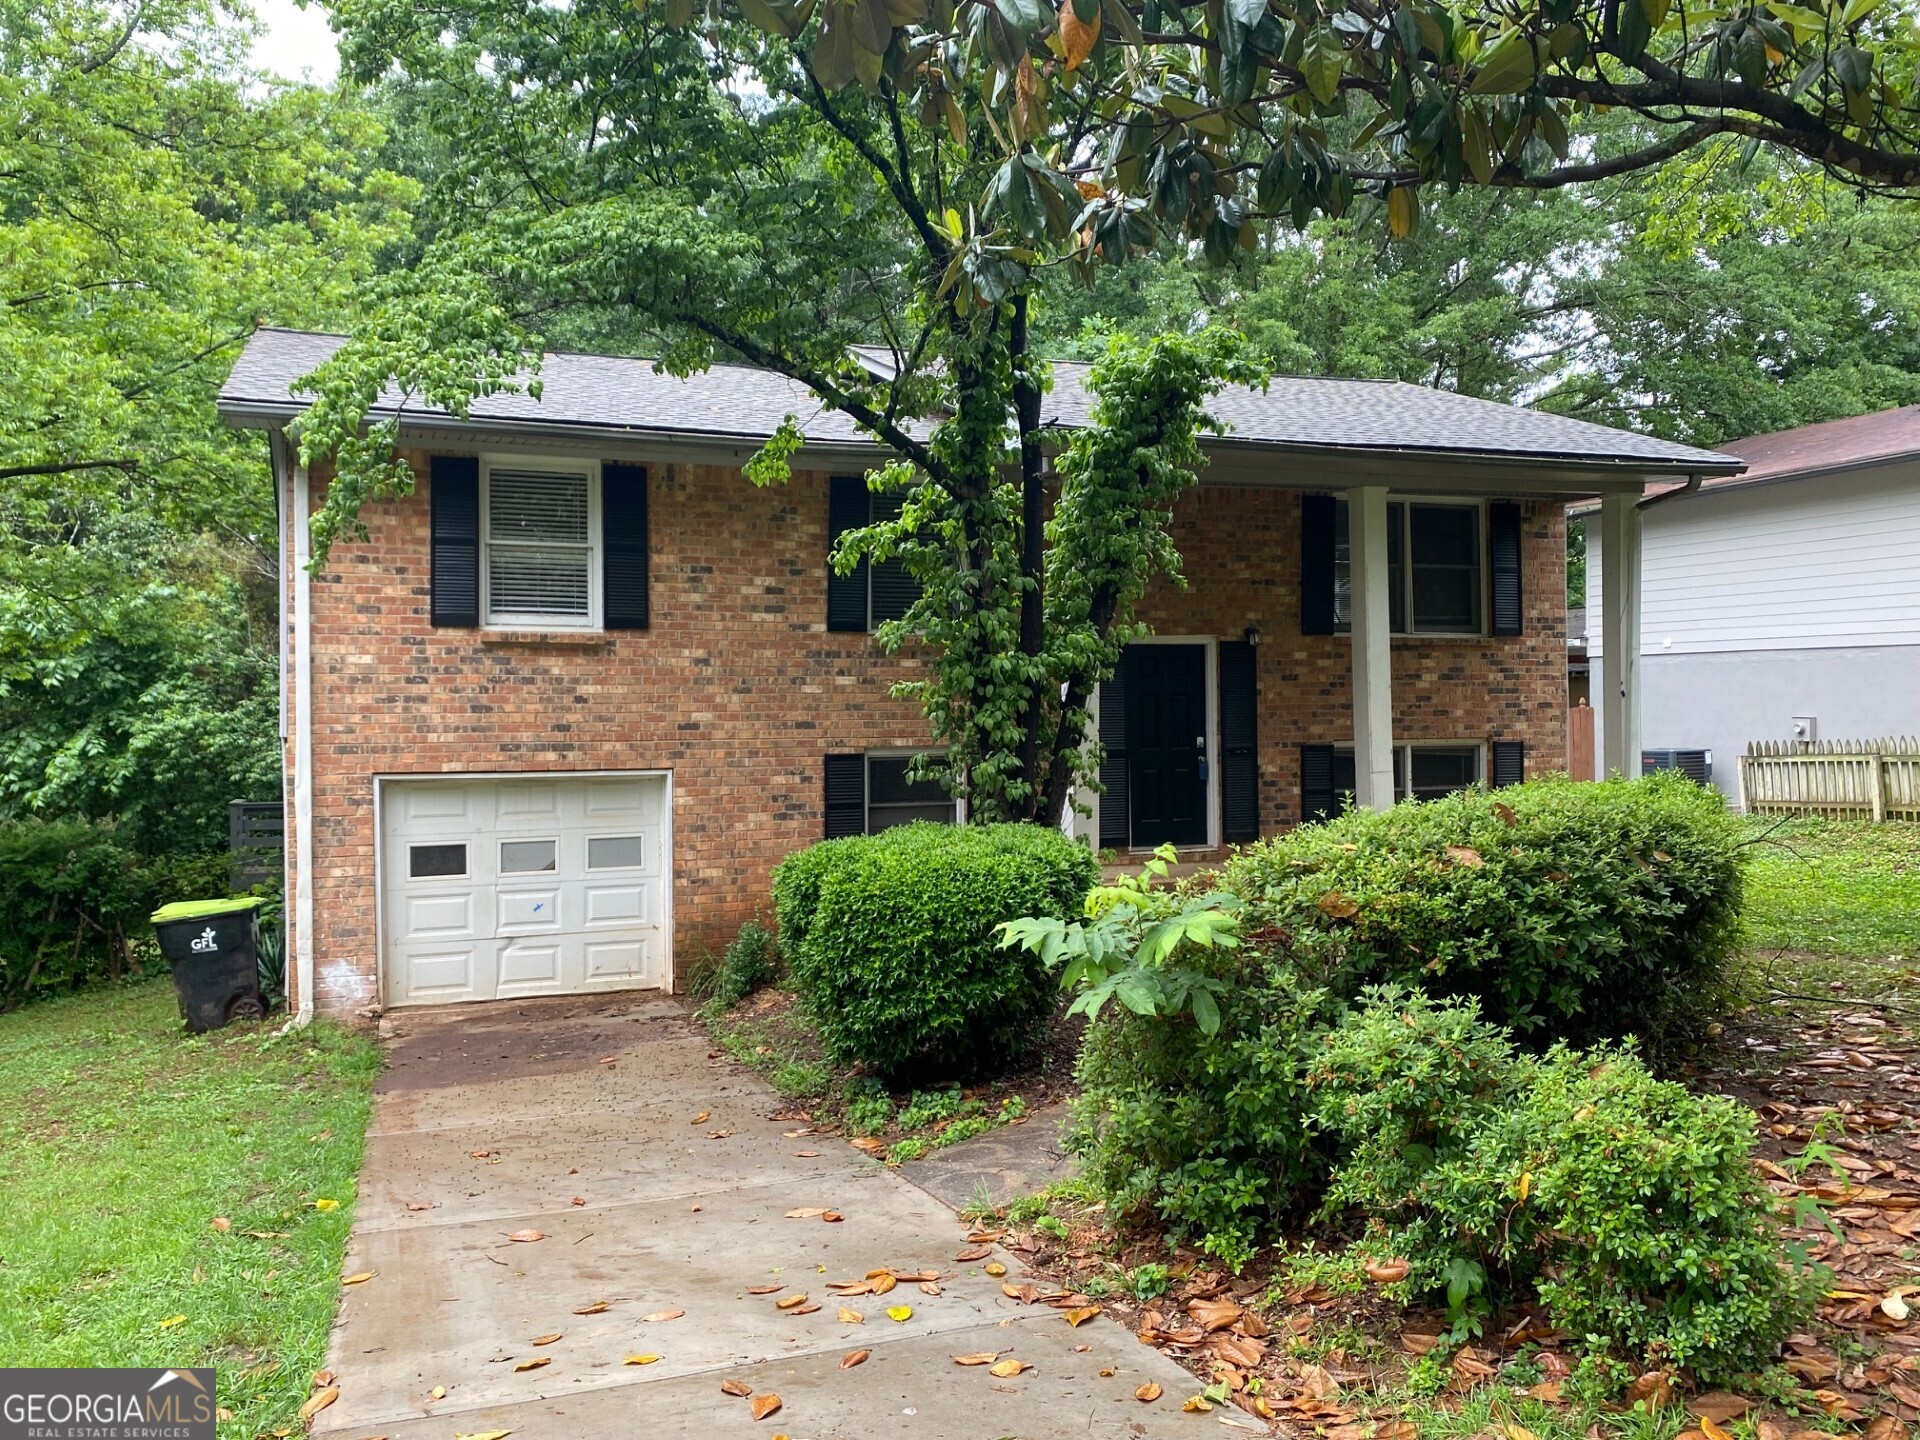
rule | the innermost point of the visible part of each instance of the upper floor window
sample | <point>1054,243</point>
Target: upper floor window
<point>540,532</point>
<point>1435,576</point>
<point>873,592</point>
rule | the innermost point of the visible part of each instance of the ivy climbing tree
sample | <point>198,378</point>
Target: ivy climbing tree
<point>776,182</point>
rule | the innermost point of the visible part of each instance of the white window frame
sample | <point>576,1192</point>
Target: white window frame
<point>867,757</point>
<point>1484,566</point>
<point>521,620</point>
<point>1403,762</point>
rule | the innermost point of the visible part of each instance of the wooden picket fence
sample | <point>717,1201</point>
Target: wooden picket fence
<point>1841,779</point>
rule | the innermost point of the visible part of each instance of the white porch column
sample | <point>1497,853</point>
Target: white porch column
<point>1620,635</point>
<point>1372,647</point>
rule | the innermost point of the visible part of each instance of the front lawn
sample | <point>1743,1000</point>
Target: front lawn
<point>124,1143</point>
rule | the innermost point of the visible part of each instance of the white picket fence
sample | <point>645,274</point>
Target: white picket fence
<point>1841,779</point>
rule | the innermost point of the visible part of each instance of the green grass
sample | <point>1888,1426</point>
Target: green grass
<point>1835,888</point>
<point>122,1139</point>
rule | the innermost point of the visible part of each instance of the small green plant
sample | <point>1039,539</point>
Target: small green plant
<point>1148,1282</point>
<point>868,1108</point>
<point>911,1148</point>
<point>1052,1225</point>
<point>751,962</point>
<point>930,1107</point>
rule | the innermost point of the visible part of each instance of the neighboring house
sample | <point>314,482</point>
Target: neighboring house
<point>552,723</point>
<point>1782,603</point>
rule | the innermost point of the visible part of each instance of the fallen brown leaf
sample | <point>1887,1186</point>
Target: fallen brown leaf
<point>319,1401</point>
<point>659,1316</point>
<point>535,1363</point>
<point>525,1237</point>
<point>221,1223</point>
<point>1387,1272</point>
<point>736,1387</point>
<point>1008,1368</point>
<point>1148,1393</point>
<point>765,1405</point>
<point>984,1357</point>
<point>806,1212</point>
<point>640,1360</point>
<point>853,1358</point>
<point>831,1217</point>
<point>850,1317</point>
<point>545,1339</point>
<point>763,1289</point>
<point>1080,1317</point>
<point>598,1307</point>
<point>811,1309</point>
<point>789,1302</point>
<point>996,1269</point>
<point>701,1118</point>
<point>1718,1406</point>
<point>361,1278</point>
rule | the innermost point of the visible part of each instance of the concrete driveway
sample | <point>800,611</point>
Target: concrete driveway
<point>659,1180</point>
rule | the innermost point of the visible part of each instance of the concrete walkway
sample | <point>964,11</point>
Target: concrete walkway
<point>660,1181</point>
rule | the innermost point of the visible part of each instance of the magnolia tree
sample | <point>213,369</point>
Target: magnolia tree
<point>776,182</point>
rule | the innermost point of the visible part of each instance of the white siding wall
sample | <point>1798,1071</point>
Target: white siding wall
<point>1806,564</point>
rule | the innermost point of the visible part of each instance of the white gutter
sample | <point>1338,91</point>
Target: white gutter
<point>302,848</point>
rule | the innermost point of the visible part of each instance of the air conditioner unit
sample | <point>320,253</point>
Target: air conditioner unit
<point>1696,765</point>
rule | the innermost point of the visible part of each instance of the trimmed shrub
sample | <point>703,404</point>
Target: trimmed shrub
<point>1628,1203</point>
<point>1570,911</point>
<point>892,941</point>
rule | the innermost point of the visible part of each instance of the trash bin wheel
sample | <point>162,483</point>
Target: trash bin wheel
<point>246,1007</point>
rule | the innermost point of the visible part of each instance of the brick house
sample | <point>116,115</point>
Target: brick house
<point>549,727</point>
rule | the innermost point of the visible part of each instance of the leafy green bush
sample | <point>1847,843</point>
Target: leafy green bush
<point>1628,1203</point>
<point>72,897</point>
<point>1570,911</point>
<point>891,940</point>
<point>752,962</point>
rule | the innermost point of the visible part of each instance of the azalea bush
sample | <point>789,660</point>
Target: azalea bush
<point>1627,1204</point>
<point>1571,911</point>
<point>892,942</point>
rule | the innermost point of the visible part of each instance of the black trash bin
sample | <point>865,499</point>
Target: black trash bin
<point>214,949</point>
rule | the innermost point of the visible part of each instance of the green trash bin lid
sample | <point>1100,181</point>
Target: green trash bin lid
<point>200,909</point>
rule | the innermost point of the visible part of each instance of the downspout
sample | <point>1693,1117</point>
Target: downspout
<point>303,745</point>
<point>1647,502</point>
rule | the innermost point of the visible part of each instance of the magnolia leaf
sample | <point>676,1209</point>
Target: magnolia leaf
<point>1008,1368</point>
<point>640,1360</point>
<point>318,1401</point>
<point>535,1363</point>
<point>1323,59</point>
<point>738,1388</point>
<point>765,1405</point>
<point>1148,1393</point>
<point>1510,68</point>
<point>660,1316</point>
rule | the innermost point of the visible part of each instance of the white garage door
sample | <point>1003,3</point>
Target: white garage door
<point>542,886</point>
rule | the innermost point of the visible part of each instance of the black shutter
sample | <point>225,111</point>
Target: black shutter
<point>623,561</point>
<point>1116,825</point>
<point>1316,564</point>
<point>846,795</point>
<point>1503,559</point>
<point>1318,799</point>
<point>454,542</point>
<point>1509,762</point>
<point>846,594</point>
<point>1239,767</point>
<point>894,590</point>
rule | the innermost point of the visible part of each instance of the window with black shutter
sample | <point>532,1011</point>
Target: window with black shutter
<point>1317,576</point>
<point>1434,567</point>
<point>870,793</point>
<point>1503,566</point>
<point>1239,765</point>
<point>873,592</point>
<point>624,555</point>
<point>453,490</point>
<point>1509,762</point>
<point>1325,781</point>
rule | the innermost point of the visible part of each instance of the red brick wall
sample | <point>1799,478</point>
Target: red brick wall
<point>740,691</point>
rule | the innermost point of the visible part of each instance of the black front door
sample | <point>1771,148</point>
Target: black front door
<point>1167,744</point>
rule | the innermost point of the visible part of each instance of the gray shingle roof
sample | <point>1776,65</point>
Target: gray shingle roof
<point>609,393</point>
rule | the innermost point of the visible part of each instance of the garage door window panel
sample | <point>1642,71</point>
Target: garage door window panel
<point>616,852</point>
<point>541,528</point>
<point>437,862</point>
<point>527,857</point>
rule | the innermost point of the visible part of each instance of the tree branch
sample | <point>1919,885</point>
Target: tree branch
<point>898,185</point>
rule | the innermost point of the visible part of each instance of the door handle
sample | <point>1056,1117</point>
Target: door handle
<point>1200,749</point>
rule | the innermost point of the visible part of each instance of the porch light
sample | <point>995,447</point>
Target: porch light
<point>1253,634</point>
